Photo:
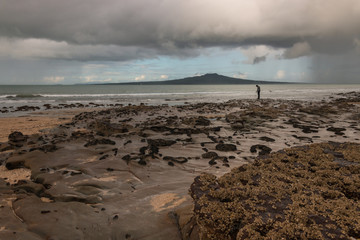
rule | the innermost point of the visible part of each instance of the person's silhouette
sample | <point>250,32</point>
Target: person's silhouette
<point>258,91</point>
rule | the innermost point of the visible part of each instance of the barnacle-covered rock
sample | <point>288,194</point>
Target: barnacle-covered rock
<point>309,192</point>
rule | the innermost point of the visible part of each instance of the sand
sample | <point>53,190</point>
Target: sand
<point>125,172</point>
<point>166,201</point>
<point>28,125</point>
<point>37,122</point>
<point>15,175</point>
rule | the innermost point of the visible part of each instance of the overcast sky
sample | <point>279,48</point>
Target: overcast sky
<point>78,41</point>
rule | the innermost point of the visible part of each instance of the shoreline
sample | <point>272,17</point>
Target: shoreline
<point>127,170</point>
<point>35,98</point>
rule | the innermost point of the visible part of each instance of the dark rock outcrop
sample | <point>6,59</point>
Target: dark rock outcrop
<point>99,141</point>
<point>210,155</point>
<point>225,147</point>
<point>160,142</point>
<point>175,159</point>
<point>263,149</point>
<point>17,139</point>
<point>267,139</point>
<point>337,131</point>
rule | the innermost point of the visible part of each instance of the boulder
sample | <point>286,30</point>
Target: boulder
<point>17,139</point>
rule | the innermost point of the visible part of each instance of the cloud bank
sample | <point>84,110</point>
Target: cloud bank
<point>126,30</point>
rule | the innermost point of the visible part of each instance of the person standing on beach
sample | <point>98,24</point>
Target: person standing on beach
<point>258,91</point>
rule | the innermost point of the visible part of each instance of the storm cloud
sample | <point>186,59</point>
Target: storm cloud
<point>125,30</point>
<point>259,59</point>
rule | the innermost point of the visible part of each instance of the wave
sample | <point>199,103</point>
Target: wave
<point>129,94</point>
<point>108,95</point>
<point>23,96</point>
<point>12,99</point>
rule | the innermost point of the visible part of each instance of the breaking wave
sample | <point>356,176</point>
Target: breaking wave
<point>23,96</point>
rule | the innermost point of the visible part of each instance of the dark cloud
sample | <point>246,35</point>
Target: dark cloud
<point>259,59</point>
<point>49,49</point>
<point>147,28</point>
<point>122,30</point>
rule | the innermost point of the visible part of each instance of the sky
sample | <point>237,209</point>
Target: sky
<point>98,41</point>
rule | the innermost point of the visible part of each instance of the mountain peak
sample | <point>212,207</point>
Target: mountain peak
<point>210,74</point>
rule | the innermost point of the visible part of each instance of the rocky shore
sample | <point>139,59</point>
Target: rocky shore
<point>60,106</point>
<point>125,172</point>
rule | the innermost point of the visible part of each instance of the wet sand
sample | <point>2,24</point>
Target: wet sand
<point>125,172</point>
<point>36,122</point>
<point>28,125</point>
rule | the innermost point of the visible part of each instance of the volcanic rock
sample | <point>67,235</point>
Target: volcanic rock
<point>225,147</point>
<point>267,139</point>
<point>17,139</point>
<point>199,121</point>
<point>175,159</point>
<point>210,155</point>
<point>337,131</point>
<point>160,142</point>
<point>263,149</point>
<point>99,141</point>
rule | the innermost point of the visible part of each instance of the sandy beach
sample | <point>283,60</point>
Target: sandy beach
<point>126,172</point>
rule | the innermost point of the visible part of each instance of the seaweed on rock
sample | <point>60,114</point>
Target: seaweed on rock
<point>309,192</point>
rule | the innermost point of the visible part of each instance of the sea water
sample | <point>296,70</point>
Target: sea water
<point>38,95</point>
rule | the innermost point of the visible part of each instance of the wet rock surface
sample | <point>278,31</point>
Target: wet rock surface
<point>124,172</point>
<point>309,192</point>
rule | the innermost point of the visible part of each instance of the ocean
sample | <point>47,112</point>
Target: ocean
<point>14,96</point>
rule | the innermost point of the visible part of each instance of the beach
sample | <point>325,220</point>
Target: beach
<point>180,120</point>
<point>125,172</point>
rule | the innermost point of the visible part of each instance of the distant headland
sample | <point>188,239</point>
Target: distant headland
<point>207,79</point>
